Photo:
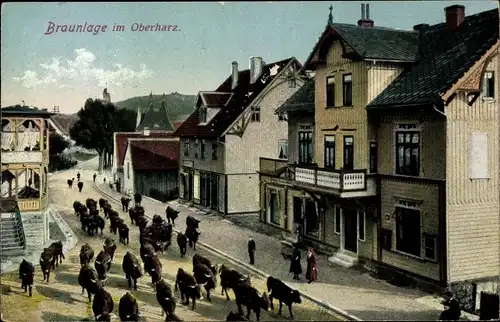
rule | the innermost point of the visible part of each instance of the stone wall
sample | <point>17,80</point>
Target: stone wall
<point>468,294</point>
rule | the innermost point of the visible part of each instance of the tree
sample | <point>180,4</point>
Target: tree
<point>57,144</point>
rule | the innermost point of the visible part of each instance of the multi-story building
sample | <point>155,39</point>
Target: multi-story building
<point>221,141</point>
<point>406,142</point>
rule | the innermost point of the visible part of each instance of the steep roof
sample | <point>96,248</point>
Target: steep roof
<point>64,122</point>
<point>156,118</point>
<point>25,111</point>
<point>243,95</point>
<point>301,101</point>
<point>367,43</point>
<point>122,142</point>
<point>154,155</point>
<point>445,56</point>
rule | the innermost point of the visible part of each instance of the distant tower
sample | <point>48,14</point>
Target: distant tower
<point>150,104</point>
<point>56,110</point>
<point>23,103</point>
<point>106,96</point>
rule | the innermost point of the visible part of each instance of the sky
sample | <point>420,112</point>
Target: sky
<point>46,69</point>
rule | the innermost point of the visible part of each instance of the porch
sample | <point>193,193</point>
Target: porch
<point>27,185</point>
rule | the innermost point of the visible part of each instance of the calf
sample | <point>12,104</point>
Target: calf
<point>204,276</point>
<point>283,293</point>
<point>171,214</point>
<point>188,287</point>
<point>165,297</point>
<point>131,268</point>
<point>26,274</point>
<point>80,186</point>
<point>102,265</point>
<point>153,266</point>
<point>70,182</point>
<point>182,243</point>
<point>251,298</point>
<point>192,222</point>
<point>235,317</point>
<point>123,232</point>
<point>86,254</point>
<point>137,199</point>
<point>125,202</point>
<point>230,278</point>
<point>109,247</point>
<point>103,305</point>
<point>198,259</point>
<point>46,263</point>
<point>128,309</point>
<point>88,280</point>
<point>192,235</point>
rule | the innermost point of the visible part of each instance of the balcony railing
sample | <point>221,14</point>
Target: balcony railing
<point>268,165</point>
<point>28,204</point>
<point>354,180</point>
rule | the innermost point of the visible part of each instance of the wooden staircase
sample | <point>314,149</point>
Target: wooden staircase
<point>12,238</point>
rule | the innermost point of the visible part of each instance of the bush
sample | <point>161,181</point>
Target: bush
<point>60,162</point>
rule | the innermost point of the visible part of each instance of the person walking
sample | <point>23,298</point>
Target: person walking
<point>95,176</point>
<point>295,266</point>
<point>78,176</point>
<point>312,270</point>
<point>251,250</point>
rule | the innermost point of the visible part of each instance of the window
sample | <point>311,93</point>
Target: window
<point>329,151</point>
<point>214,149</point>
<point>430,247</point>
<point>330,91</point>
<point>311,219</point>
<point>292,83</point>
<point>202,149</point>
<point>408,236</point>
<point>255,114</point>
<point>478,156</point>
<point>347,89</point>
<point>373,157</point>
<point>274,216</point>
<point>196,145</point>
<point>203,114</point>
<point>361,225</point>
<point>408,153</point>
<point>305,146</point>
<point>297,209</point>
<point>186,147</point>
<point>214,191</point>
<point>128,170</point>
<point>283,149</point>
<point>283,117</point>
<point>337,222</point>
<point>489,85</point>
<point>348,152</point>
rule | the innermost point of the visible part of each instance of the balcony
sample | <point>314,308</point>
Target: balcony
<point>268,165</point>
<point>22,156</point>
<point>29,204</point>
<point>347,184</point>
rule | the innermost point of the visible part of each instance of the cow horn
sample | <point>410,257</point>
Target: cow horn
<point>204,283</point>
<point>192,286</point>
<point>92,280</point>
<point>208,275</point>
<point>167,298</point>
<point>98,316</point>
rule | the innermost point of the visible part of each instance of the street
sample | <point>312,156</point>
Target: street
<point>61,299</point>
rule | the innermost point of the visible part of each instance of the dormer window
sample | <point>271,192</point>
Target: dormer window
<point>203,114</point>
<point>255,114</point>
<point>282,117</point>
<point>489,85</point>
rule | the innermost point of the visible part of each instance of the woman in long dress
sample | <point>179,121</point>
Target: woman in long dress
<point>295,266</point>
<point>312,270</point>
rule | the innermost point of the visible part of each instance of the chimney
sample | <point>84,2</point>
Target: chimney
<point>420,27</point>
<point>234,75</point>
<point>455,15</point>
<point>365,20</point>
<point>146,131</point>
<point>256,65</point>
<point>139,117</point>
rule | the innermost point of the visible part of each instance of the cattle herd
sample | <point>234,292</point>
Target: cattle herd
<point>154,239</point>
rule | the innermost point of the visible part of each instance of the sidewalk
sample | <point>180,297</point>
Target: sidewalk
<point>347,291</point>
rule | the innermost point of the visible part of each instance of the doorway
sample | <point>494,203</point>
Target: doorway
<point>350,230</point>
<point>348,153</point>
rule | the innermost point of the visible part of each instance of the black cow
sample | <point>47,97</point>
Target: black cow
<point>153,266</point>
<point>102,202</point>
<point>91,225</point>
<point>137,199</point>
<point>283,293</point>
<point>26,274</point>
<point>109,247</point>
<point>251,298</point>
<point>70,182</point>
<point>77,205</point>
<point>123,232</point>
<point>90,203</point>
<point>171,214</point>
<point>103,305</point>
<point>204,276</point>
<point>188,287</point>
<point>192,222</point>
<point>57,251</point>
<point>86,254</point>
<point>131,268</point>
<point>165,297</point>
<point>100,223</point>
<point>80,186</point>
<point>46,263</point>
<point>88,280</point>
<point>230,278</point>
<point>102,265</point>
<point>128,309</point>
<point>182,243</point>
<point>192,235</point>
<point>146,250</point>
<point>125,202</point>
<point>198,259</point>
<point>235,317</point>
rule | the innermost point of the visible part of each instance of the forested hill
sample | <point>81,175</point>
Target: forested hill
<point>179,106</point>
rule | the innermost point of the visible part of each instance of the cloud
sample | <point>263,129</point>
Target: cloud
<point>82,68</point>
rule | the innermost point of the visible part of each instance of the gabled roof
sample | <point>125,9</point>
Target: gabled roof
<point>25,111</point>
<point>154,154</point>
<point>243,95</point>
<point>367,43</point>
<point>301,101</point>
<point>214,99</point>
<point>122,142</point>
<point>156,118</point>
<point>445,56</point>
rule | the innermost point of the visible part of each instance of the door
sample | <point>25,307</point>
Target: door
<point>297,210</point>
<point>348,152</point>
<point>190,186</point>
<point>350,233</point>
<point>214,186</point>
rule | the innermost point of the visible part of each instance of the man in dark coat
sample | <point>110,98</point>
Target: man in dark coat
<point>295,266</point>
<point>453,311</point>
<point>95,176</point>
<point>251,250</point>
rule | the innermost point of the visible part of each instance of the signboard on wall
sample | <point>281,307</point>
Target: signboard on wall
<point>196,185</point>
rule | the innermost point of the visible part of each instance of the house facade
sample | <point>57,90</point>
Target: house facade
<point>408,166</point>
<point>221,141</point>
